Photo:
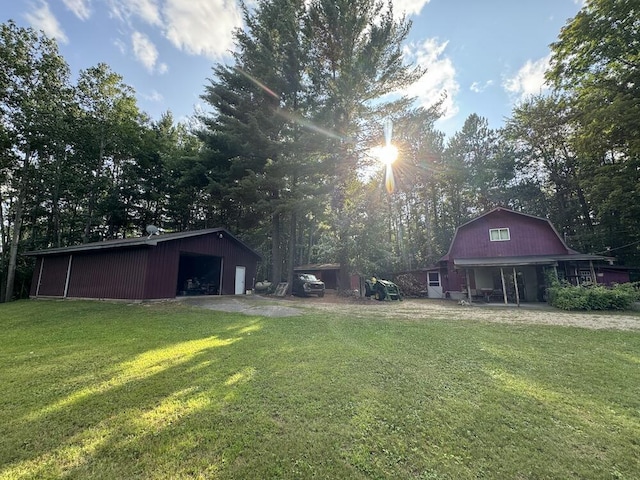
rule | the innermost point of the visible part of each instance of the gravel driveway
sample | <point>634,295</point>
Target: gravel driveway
<point>417,309</point>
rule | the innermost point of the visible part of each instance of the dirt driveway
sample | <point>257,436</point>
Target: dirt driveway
<point>416,309</point>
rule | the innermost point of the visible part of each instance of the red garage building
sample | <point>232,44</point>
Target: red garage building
<point>210,261</point>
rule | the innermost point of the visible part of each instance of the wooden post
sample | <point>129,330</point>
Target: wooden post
<point>504,287</point>
<point>466,271</point>
<point>222,276</point>
<point>594,280</point>
<point>66,282</point>
<point>40,276</point>
<point>515,283</point>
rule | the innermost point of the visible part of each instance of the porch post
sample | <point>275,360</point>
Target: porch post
<point>504,287</point>
<point>466,271</point>
<point>515,283</point>
<point>594,280</point>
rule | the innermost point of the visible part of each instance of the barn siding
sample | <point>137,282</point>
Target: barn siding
<point>457,279</point>
<point>233,256</point>
<point>529,236</point>
<point>164,261</point>
<point>109,274</point>
<point>54,275</point>
<point>140,272</point>
<point>162,271</point>
<point>610,277</point>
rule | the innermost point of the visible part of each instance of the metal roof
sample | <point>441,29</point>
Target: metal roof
<point>150,241</point>
<point>525,260</point>
<point>317,266</point>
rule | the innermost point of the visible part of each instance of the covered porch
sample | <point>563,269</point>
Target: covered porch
<point>522,279</point>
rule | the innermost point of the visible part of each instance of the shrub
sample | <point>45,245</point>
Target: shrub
<point>594,297</point>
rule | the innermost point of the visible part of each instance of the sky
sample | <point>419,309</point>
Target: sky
<point>486,56</point>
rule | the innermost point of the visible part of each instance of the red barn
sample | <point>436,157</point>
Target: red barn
<point>210,261</point>
<point>505,256</point>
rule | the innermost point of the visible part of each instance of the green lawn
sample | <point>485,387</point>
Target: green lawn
<point>99,390</point>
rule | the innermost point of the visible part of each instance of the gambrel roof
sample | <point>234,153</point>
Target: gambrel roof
<point>533,241</point>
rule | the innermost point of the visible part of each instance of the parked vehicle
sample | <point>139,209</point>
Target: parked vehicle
<point>381,289</point>
<point>305,284</point>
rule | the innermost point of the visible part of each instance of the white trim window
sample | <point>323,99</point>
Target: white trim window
<point>585,276</point>
<point>499,234</point>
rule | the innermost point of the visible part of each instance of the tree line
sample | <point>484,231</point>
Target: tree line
<point>283,154</point>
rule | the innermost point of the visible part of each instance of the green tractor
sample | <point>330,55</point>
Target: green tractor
<point>381,290</point>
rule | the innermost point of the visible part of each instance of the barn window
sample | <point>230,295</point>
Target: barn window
<point>434,279</point>
<point>499,234</point>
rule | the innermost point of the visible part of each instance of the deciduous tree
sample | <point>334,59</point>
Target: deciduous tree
<point>596,62</point>
<point>33,77</point>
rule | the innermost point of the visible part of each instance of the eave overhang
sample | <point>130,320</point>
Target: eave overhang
<point>548,260</point>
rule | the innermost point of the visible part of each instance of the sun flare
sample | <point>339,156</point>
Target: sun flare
<point>388,154</point>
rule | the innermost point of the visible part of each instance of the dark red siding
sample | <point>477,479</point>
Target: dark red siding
<point>162,271</point>
<point>54,275</point>
<point>233,257</point>
<point>456,279</point>
<point>164,261</point>
<point>142,271</point>
<point>529,236</point>
<point>610,276</point>
<point>116,273</point>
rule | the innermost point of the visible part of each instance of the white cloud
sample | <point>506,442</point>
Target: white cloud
<point>80,8</point>
<point>198,27</point>
<point>144,50</point>
<point>410,7</point>
<point>147,10</point>
<point>439,79</point>
<point>162,68</point>
<point>41,18</point>
<point>529,80</point>
<point>154,96</point>
<point>202,27</point>
<point>478,87</point>
<point>120,45</point>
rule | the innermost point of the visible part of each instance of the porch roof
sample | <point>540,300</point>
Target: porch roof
<point>525,260</point>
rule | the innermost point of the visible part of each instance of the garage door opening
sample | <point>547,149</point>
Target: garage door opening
<point>199,275</point>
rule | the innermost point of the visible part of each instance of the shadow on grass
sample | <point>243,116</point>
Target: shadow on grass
<point>81,405</point>
<point>185,393</point>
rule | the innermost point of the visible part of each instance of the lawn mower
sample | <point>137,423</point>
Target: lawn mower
<point>381,289</point>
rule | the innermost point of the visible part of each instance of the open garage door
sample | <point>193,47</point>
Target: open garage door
<point>199,275</point>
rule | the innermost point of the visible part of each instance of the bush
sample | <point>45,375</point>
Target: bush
<point>595,297</point>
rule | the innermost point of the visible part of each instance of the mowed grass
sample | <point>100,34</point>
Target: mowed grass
<point>115,391</point>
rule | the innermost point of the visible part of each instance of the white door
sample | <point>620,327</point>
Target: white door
<point>434,287</point>
<point>240,273</point>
